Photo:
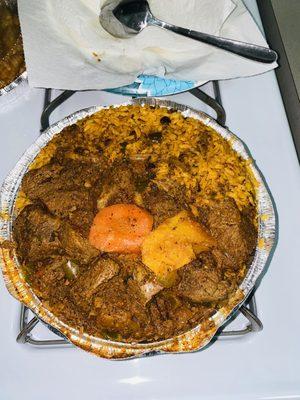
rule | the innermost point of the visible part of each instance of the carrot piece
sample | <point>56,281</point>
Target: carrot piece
<point>120,228</point>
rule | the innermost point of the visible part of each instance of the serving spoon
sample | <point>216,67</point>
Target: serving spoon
<point>126,18</point>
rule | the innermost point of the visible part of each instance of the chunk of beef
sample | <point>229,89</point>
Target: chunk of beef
<point>75,206</point>
<point>48,276</point>
<point>88,283</point>
<point>234,232</point>
<point>36,233</point>
<point>69,192</point>
<point>172,314</point>
<point>117,185</point>
<point>54,177</point>
<point>38,182</point>
<point>161,205</point>
<point>159,319</point>
<point>123,181</point>
<point>40,235</point>
<point>203,284</point>
<point>119,310</point>
<point>80,175</point>
<point>76,246</point>
<point>134,269</point>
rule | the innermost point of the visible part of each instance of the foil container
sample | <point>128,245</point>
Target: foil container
<point>192,340</point>
<point>21,80</point>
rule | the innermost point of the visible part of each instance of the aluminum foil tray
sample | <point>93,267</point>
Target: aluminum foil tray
<point>193,340</point>
<point>20,80</point>
<point>16,83</point>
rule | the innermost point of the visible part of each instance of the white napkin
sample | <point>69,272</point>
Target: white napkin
<point>66,47</point>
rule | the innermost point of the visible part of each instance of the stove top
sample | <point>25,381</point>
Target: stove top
<point>253,366</point>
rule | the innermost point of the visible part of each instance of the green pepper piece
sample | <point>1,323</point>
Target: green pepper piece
<point>71,270</point>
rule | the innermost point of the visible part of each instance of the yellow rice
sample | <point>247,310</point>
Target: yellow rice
<point>219,171</point>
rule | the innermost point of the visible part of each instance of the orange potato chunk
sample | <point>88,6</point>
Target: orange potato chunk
<point>173,244</point>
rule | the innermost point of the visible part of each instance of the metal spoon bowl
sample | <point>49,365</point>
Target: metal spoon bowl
<point>126,18</point>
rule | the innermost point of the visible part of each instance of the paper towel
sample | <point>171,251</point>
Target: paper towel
<point>66,47</point>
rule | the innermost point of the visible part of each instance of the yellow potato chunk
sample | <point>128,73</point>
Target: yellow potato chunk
<point>173,244</point>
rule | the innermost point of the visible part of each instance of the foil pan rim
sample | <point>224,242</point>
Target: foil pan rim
<point>188,341</point>
<point>17,82</point>
<point>21,78</point>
